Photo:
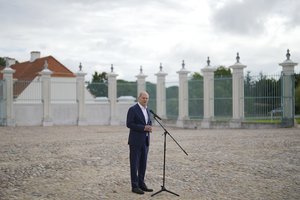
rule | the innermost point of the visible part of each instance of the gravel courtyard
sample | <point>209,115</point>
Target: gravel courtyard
<point>91,162</point>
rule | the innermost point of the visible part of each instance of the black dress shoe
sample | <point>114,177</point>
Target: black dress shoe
<point>137,191</point>
<point>146,189</point>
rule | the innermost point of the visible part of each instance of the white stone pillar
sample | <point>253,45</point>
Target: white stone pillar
<point>112,96</point>
<point>80,95</point>
<point>141,82</point>
<point>287,92</point>
<point>183,96</point>
<point>237,93</point>
<point>161,93</point>
<point>208,94</point>
<point>46,95</point>
<point>8,111</point>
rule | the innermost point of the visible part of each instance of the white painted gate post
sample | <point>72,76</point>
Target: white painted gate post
<point>7,72</point>
<point>208,95</point>
<point>46,95</point>
<point>80,95</point>
<point>183,99</point>
<point>141,82</point>
<point>237,93</point>
<point>161,93</point>
<point>112,96</point>
<point>287,101</point>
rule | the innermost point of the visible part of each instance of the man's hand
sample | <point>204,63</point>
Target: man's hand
<point>148,128</point>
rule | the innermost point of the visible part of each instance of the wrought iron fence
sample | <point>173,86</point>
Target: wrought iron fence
<point>223,98</point>
<point>151,89</point>
<point>2,102</point>
<point>172,100</point>
<point>125,88</point>
<point>195,99</point>
<point>262,97</point>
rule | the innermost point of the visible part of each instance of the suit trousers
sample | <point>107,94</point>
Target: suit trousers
<point>138,163</point>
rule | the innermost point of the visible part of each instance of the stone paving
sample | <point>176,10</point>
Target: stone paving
<point>91,162</point>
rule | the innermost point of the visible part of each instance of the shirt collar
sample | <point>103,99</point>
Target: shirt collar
<point>142,107</point>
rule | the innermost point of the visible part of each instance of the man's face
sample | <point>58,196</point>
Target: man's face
<point>143,99</point>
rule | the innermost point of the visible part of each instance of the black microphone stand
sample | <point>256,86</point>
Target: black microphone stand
<point>163,188</point>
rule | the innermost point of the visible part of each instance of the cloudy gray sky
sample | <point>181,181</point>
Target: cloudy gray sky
<point>131,33</point>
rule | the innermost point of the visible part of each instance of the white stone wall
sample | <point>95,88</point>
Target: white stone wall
<point>28,114</point>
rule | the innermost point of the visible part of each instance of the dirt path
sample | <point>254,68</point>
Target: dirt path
<point>91,162</point>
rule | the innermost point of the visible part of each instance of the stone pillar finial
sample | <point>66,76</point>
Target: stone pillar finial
<point>160,67</point>
<point>288,55</point>
<point>112,68</point>
<point>80,67</point>
<point>183,64</point>
<point>141,69</point>
<point>237,57</point>
<point>208,61</point>
<point>141,81</point>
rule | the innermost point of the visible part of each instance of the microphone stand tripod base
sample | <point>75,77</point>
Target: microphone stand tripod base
<point>164,189</point>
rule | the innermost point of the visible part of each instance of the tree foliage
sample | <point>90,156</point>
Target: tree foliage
<point>99,77</point>
<point>98,87</point>
<point>222,72</point>
<point>196,76</point>
<point>2,62</point>
<point>126,88</point>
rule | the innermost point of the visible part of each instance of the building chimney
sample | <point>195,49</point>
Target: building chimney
<point>34,55</point>
<point>10,61</point>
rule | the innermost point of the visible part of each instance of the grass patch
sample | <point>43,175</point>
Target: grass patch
<point>264,121</point>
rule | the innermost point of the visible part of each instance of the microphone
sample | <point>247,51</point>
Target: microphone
<point>155,115</point>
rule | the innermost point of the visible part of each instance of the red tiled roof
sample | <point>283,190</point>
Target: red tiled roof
<point>27,71</point>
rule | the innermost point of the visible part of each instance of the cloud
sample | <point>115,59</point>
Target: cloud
<point>249,17</point>
<point>131,33</point>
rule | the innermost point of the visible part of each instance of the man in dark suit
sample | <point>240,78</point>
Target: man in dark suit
<point>140,125</point>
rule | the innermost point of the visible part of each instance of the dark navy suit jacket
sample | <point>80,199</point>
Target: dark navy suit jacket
<point>136,123</point>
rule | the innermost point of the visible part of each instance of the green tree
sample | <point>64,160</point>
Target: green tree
<point>222,72</point>
<point>196,76</point>
<point>297,80</point>
<point>98,87</point>
<point>151,89</point>
<point>99,77</point>
<point>126,88</point>
<point>2,62</point>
